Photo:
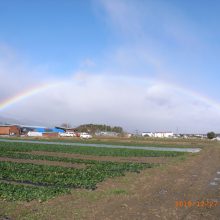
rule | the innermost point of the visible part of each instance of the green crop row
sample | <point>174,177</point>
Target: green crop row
<point>25,155</point>
<point>49,181</point>
<point>29,156</point>
<point>25,147</point>
<point>65,177</point>
<point>22,192</point>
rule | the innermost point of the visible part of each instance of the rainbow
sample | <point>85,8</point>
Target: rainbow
<point>24,95</point>
<point>200,97</point>
<point>41,88</point>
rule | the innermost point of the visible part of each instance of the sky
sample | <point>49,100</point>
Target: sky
<point>144,65</point>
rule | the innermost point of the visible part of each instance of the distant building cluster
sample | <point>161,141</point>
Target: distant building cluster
<point>17,130</point>
<point>39,131</point>
<point>169,134</point>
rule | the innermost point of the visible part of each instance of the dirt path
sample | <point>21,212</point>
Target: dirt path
<point>155,195</point>
<point>43,162</point>
<point>105,158</point>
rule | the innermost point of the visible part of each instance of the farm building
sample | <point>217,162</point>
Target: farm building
<point>157,134</point>
<point>10,130</point>
<point>27,128</point>
<point>40,131</point>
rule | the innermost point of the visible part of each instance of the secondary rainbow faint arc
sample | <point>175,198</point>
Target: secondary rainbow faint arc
<point>24,94</point>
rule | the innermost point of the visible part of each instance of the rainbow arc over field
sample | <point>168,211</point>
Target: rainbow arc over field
<point>24,95</point>
<point>43,87</point>
<point>197,96</point>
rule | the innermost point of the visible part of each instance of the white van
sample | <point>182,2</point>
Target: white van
<point>67,134</point>
<point>85,135</point>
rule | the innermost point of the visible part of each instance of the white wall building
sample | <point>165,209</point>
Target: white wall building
<point>34,134</point>
<point>158,134</point>
<point>147,134</point>
<point>163,134</point>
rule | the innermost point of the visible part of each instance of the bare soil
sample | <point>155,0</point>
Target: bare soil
<point>155,195</point>
<point>105,158</point>
<point>44,162</point>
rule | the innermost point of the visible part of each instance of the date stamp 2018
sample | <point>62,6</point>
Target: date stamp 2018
<point>199,204</point>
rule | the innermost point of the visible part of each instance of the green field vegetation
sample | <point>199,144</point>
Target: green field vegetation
<point>57,179</point>
<point>134,141</point>
<point>26,147</point>
<point>14,192</point>
<point>65,177</point>
<point>27,181</point>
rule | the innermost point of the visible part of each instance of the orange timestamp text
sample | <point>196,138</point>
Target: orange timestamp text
<point>199,204</point>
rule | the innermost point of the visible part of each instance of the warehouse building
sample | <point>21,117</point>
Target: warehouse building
<point>27,128</point>
<point>10,130</point>
<point>35,131</point>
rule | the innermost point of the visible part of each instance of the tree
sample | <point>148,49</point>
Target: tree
<point>117,129</point>
<point>211,135</point>
<point>92,128</point>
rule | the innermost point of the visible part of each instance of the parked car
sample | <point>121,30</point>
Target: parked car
<point>85,135</point>
<point>67,134</point>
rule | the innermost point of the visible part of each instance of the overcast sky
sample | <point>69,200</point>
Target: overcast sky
<point>145,65</point>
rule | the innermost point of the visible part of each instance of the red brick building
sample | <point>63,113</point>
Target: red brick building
<point>10,130</point>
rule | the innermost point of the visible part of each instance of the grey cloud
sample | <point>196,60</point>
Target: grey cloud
<point>102,100</point>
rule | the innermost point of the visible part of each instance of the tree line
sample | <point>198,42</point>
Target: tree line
<point>93,128</point>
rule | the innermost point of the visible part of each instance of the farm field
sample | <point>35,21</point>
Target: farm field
<point>25,163</point>
<point>154,142</point>
<point>39,181</point>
